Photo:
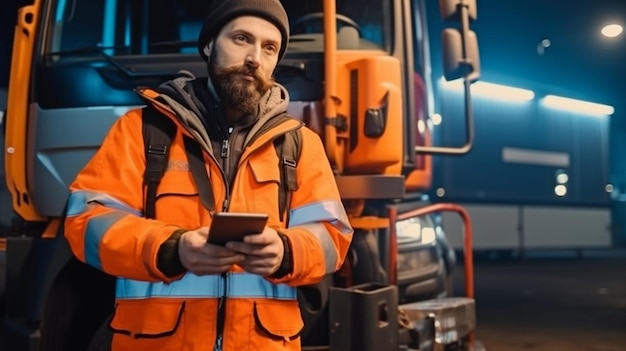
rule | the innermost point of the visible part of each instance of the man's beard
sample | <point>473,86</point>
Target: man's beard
<point>237,92</point>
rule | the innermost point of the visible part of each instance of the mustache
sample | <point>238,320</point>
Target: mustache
<point>258,75</point>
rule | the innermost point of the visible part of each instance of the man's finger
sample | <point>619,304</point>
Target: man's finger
<point>258,239</point>
<point>255,262</point>
<point>227,261</point>
<point>250,250</point>
<point>217,251</point>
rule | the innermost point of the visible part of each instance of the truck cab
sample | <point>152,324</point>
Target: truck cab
<point>358,73</point>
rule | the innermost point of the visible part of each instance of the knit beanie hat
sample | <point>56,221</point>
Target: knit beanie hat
<point>223,11</point>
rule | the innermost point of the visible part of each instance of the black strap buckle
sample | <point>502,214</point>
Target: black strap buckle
<point>289,162</point>
<point>157,149</point>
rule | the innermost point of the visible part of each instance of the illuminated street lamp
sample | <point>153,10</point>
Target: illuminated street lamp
<point>612,30</point>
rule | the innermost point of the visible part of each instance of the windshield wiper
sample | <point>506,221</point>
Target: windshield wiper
<point>100,51</point>
<point>174,43</point>
<point>129,71</point>
<point>86,50</point>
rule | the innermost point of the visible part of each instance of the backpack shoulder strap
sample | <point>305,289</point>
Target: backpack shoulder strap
<point>158,132</point>
<point>288,149</point>
<point>199,173</point>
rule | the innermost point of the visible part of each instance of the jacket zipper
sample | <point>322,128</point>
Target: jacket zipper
<point>221,304</point>
<point>221,313</point>
<point>225,165</point>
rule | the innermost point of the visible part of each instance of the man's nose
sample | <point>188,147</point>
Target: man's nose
<point>253,58</point>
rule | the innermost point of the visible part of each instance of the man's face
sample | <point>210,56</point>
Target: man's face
<point>242,59</point>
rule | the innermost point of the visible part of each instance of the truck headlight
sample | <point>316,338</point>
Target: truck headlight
<point>409,229</point>
<point>413,230</point>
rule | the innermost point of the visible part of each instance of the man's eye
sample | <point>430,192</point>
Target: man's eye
<point>271,48</point>
<point>240,38</point>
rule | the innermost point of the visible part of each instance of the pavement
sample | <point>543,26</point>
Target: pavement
<point>550,304</point>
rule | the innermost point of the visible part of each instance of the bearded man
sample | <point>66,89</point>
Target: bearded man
<point>175,290</point>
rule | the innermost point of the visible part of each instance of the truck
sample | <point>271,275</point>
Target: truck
<point>358,73</point>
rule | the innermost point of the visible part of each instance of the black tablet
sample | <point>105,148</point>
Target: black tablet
<point>233,226</point>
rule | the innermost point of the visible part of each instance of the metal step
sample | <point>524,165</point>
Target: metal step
<point>454,317</point>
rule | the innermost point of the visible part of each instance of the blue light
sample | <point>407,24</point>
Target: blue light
<point>492,91</point>
<point>60,11</point>
<point>108,32</point>
<point>577,106</point>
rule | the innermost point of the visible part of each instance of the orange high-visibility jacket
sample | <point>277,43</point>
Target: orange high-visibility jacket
<point>105,228</point>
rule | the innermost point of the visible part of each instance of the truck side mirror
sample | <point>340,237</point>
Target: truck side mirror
<point>450,10</point>
<point>460,60</point>
<point>455,64</point>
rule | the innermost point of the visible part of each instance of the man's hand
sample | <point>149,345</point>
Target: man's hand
<point>264,252</point>
<point>201,258</point>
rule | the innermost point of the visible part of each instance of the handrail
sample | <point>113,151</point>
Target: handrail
<point>330,76</point>
<point>439,207</point>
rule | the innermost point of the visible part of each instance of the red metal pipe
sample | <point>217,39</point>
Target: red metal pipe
<point>330,82</point>
<point>393,246</point>
<point>467,238</point>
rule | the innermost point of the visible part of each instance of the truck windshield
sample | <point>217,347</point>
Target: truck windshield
<point>141,27</point>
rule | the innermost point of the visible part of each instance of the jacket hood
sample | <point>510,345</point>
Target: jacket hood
<point>199,109</point>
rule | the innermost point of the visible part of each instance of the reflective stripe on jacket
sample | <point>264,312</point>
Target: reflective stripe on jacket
<point>105,228</point>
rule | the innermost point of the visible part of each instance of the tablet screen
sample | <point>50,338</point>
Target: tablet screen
<point>233,226</point>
